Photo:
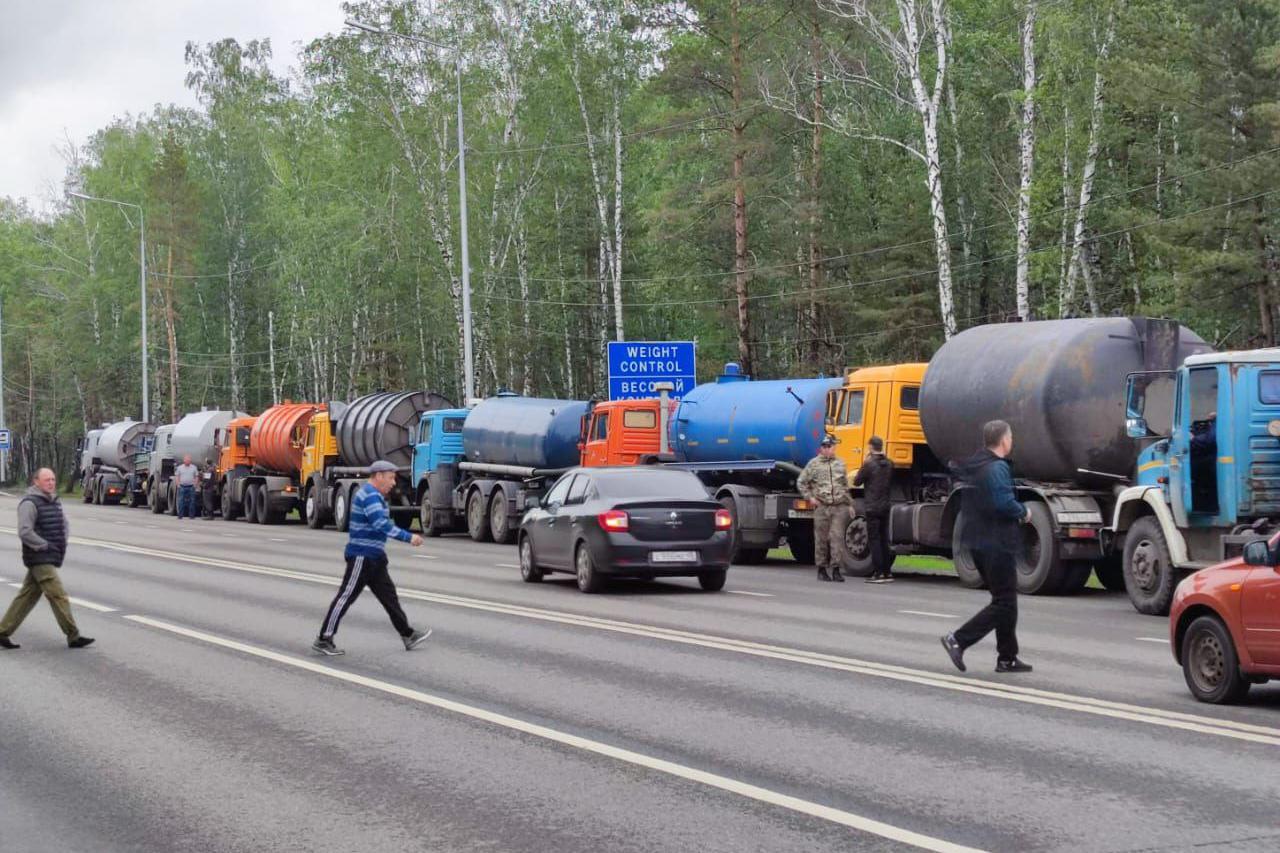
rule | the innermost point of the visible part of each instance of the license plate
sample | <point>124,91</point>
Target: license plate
<point>674,556</point>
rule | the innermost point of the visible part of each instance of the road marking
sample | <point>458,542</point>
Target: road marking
<point>122,522</point>
<point>744,592</point>
<point>425,556</point>
<point>927,613</point>
<point>101,608</point>
<point>188,529</point>
<point>627,756</point>
<point>961,684</point>
<point>1164,641</point>
<point>507,565</point>
<point>274,539</point>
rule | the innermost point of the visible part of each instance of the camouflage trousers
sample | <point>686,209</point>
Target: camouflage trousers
<point>829,523</point>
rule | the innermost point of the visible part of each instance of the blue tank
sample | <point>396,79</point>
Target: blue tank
<point>526,431</point>
<point>735,418</point>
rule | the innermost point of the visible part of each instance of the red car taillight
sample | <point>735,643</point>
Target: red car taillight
<point>723,519</point>
<point>615,521</point>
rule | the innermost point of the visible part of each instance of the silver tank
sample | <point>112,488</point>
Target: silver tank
<point>121,441</point>
<point>198,432</point>
<point>383,426</point>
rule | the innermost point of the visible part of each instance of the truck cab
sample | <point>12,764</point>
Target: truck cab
<point>320,447</point>
<point>624,432</point>
<point>883,401</point>
<point>1210,480</point>
<point>439,441</point>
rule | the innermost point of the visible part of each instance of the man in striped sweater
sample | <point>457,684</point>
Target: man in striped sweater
<point>366,555</point>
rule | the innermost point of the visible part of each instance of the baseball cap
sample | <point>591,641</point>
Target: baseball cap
<point>829,441</point>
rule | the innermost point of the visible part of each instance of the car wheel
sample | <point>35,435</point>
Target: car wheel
<point>499,519</point>
<point>477,517</point>
<point>1148,571</point>
<point>856,559</point>
<point>713,581</point>
<point>529,571</point>
<point>589,579</point>
<point>251,504</point>
<point>1210,664</point>
<point>963,558</point>
<point>342,510</point>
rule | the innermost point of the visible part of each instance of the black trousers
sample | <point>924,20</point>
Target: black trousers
<point>361,572</point>
<point>209,498</point>
<point>1001,615</point>
<point>878,541</point>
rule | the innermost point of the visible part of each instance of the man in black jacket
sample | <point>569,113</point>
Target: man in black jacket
<point>992,515</point>
<point>874,477</point>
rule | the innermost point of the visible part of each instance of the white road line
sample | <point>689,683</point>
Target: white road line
<point>961,684</point>
<point>744,592</point>
<point>507,565</point>
<point>122,522</point>
<point>627,756</point>
<point>187,529</point>
<point>274,539</point>
<point>1164,641</point>
<point>928,613</point>
<point>15,585</point>
<point>101,608</point>
<point>425,556</point>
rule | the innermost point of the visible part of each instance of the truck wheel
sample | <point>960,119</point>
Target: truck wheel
<point>251,504</point>
<point>500,519</point>
<point>962,558</point>
<point>1148,571</point>
<point>1040,570</point>
<point>800,542</point>
<point>529,571</point>
<point>153,499</point>
<point>713,581</point>
<point>265,515</point>
<point>86,493</point>
<point>342,510</point>
<point>855,561</point>
<point>589,579</point>
<point>427,517</point>
<point>1110,572</point>
<point>736,551</point>
<point>1210,664</point>
<point>229,507</point>
<point>477,517</point>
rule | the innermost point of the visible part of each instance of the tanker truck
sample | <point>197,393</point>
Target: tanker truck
<point>109,461</point>
<point>475,469</point>
<point>152,465</point>
<point>261,462</point>
<point>198,435</point>
<point>344,440</point>
<point>1061,386</point>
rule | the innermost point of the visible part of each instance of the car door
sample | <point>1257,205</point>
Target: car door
<point>1260,613</point>
<point>550,529</point>
<point>573,511</point>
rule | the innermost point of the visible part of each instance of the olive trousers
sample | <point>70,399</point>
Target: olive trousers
<point>40,580</point>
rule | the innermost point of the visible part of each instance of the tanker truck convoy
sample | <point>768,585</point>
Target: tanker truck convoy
<point>198,435</point>
<point>342,441</point>
<point>260,464</point>
<point>109,457</point>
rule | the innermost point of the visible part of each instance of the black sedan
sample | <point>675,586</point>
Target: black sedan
<point>642,522</point>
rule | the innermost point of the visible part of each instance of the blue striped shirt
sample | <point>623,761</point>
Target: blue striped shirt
<point>371,524</point>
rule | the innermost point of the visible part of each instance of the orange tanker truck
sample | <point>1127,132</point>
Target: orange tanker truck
<point>261,461</point>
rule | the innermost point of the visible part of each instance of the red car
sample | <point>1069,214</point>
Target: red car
<point>1224,624</point>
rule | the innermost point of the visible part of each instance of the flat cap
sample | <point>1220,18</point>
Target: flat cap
<point>382,465</point>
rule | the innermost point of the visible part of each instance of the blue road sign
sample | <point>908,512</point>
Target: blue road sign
<point>636,366</point>
<point>6,441</point>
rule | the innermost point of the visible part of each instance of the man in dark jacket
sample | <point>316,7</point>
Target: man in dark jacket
<point>209,489</point>
<point>992,515</point>
<point>43,530</point>
<point>874,477</point>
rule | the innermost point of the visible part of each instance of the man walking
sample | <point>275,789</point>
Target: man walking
<point>874,477</point>
<point>209,490</point>
<point>992,514</point>
<point>44,532</point>
<point>366,555</point>
<point>186,475</point>
<point>825,483</point>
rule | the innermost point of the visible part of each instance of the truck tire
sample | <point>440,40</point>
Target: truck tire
<point>86,492</point>
<point>477,517</point>
<point>1040,570</point>
<point>427,517</point>
<point>1110,572</point>
<point>342,510</point>
<point>153,499</point>
<point>800,542</point>
<point>962,558</point>
<point>251,503</point>
<point>855,557</point>
<point>736,551</point>
<point>1149,575</point>
<point>265,515</point>
<point>1210,664</point>
<point>229,508</point>
<point>311,507</point>
<point>500,526</point>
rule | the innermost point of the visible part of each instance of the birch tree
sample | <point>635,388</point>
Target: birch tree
<point>1026,160</point>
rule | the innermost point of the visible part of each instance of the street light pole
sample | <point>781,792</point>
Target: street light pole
<point>468,358</point>
<point>142,285</point>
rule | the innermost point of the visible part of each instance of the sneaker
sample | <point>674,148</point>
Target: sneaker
<point>326,647</point>
<point>6,643</point>
<point>823,576</point>
<point>415,639</point>
<point>886,579</point>
<point>79,642</point>
<point>872,579</point>
<point>954,651</point>
<point>836,576</point>
<point>1014,665</point>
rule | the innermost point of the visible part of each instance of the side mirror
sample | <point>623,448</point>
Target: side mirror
<point>1258,553</point>
<point>1137,428</point>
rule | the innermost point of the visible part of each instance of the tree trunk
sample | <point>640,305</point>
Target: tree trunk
<point>1027,142</point>
<point>810,327</point>
<point>1270,283</point>
<point>741,275</point>
<point>171,334</point>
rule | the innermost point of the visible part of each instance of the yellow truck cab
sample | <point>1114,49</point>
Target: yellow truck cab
<point>320,449</point>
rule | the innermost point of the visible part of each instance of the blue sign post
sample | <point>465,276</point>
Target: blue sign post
<point>636,366</point>
<point>6,440</point>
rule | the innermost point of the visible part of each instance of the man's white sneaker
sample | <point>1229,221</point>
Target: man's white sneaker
<point>416,639</point>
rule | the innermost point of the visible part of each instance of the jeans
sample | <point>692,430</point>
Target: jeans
<point>1001,615</point>
<point>186,502</point>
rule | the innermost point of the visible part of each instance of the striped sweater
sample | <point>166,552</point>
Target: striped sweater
<point>371,524</point>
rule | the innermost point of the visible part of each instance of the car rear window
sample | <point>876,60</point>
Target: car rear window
<point>651,484</point>
<point>1269,387</point>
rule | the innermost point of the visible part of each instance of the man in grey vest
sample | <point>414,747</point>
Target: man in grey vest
<point>44,532</point>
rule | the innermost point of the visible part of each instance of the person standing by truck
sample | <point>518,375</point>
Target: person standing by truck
<point>44,533</point>
<point>874,477</point>
<point>825,483</point>
<point>186,476</point>
<point>366,557</point>
<point>992,515</point>
<point>209,490</point>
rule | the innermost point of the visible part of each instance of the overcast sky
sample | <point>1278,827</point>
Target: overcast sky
<point>68,67</point>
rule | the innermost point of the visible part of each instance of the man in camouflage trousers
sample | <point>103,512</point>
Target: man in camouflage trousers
<point>825,482</point>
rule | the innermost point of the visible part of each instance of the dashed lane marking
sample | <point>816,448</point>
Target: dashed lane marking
<point>424,556</point>
<point>275,539</point>
<point>960,684</point>
<point>626,756</point>
<point>507,565</point>
<point>745,592</point>
<point>1164,641</point>
<point>928,613</point>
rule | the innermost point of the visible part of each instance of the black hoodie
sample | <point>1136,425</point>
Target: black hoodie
<point>990,506</point>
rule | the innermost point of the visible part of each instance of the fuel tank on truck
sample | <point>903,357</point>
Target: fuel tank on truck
<point>383,426</point>
<point>737,418</point>
<point>121,440</point>
<point>530,432</point>
<point>1059,383</point>
<point>277,437</point>
<point>197,434</point>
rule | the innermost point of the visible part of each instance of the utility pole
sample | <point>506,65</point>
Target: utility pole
<point>4,454</point>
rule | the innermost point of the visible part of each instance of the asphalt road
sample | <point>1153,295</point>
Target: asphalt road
<point>779,715</point>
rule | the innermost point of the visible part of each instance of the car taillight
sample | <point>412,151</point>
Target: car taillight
<point>614,520</point>
<point>723,519</point>
<point>801,504</point>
